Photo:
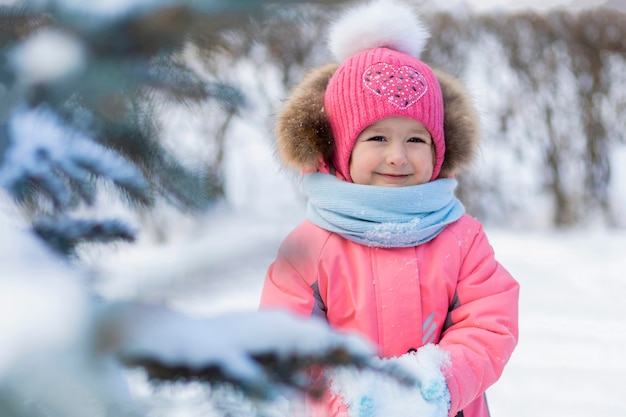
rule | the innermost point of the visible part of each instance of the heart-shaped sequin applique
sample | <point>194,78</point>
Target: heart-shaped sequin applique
<point>402,86</point>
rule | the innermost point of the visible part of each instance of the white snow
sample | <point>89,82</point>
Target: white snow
<point>570,359</point>
<point>41,146</point>
<point>226,341</point>
<point>42,303</point>
<point>47,56</point>
<point>365,391</point>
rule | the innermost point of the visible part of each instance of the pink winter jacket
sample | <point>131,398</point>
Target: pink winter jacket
<point>449,291</point>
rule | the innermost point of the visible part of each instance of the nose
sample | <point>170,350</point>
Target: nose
<point>396,153</point>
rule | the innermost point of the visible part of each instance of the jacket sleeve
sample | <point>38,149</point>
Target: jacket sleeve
<point>482,326</point>
<point>291,280</point>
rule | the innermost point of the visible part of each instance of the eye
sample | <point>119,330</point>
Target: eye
<point>377,139</point>
<point>416,139</point>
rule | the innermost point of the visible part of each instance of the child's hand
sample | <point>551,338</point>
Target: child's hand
<point>424,394</point>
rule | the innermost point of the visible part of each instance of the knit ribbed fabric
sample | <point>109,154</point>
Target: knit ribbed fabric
<point>379,83</point>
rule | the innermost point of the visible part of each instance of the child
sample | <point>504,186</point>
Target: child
<point>387,249</point>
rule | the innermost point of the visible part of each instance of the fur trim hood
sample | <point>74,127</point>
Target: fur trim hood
<point>304,136</point>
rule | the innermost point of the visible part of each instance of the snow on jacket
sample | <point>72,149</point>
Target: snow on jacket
<point>450,291</point>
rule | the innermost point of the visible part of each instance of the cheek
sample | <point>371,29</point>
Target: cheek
<point>356,165</point>
<point>424,161</point>
<point>362,161</point>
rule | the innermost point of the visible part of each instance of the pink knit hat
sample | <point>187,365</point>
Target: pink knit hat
<point>380,77</point>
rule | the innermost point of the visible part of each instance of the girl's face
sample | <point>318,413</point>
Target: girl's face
<point>393,152</point>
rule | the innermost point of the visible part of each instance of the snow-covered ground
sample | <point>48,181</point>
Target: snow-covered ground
<point>571,357</point>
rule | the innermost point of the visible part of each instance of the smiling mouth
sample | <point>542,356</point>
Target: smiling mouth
<point>394,176</point>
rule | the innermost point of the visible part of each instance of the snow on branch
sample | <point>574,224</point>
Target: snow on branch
<point>255,351</point>
<point>49,157</point>
<point>64,234</point>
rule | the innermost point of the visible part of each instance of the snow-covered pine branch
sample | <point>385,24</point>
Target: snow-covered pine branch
<point>46,155</point>
<point>254,357</point>
<point>243,349</point>
<point>64,233</point>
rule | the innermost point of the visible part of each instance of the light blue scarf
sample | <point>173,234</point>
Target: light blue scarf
<point>381,216</point>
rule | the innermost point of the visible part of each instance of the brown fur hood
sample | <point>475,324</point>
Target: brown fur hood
<point>304,134</point>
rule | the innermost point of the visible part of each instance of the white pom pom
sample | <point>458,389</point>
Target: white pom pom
<point>380,23</point>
